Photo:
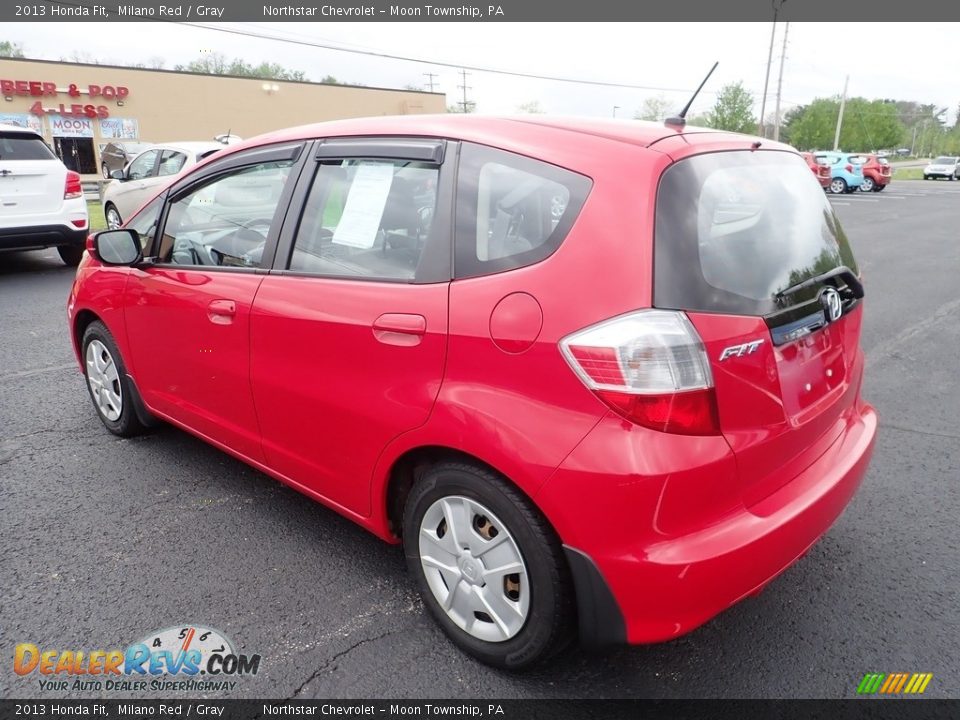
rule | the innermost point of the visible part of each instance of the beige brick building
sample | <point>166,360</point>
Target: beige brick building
<point>79,108</point>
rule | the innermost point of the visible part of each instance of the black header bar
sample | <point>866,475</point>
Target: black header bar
<point>473,11</point>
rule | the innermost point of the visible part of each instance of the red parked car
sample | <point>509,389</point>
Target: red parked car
<point>596,377</point>
<point>877,173</point>
<point>819,169</point>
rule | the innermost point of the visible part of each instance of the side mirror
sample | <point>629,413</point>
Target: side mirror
<point>118,175</point>
<point>118,247</point>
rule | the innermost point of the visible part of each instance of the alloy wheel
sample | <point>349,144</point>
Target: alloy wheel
<point>113,218</point>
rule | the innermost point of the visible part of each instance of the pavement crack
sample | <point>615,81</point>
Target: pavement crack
<point>323,668</point>
<point>929,433</point>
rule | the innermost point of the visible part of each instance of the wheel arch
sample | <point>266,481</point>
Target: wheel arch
<point>81,322</point>
<point>405,470</point>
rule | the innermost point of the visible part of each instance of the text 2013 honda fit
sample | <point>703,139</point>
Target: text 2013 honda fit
<point>599,378</point>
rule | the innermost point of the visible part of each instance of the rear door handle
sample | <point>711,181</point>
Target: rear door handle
<point>221,312</point>
<point>401,329</point>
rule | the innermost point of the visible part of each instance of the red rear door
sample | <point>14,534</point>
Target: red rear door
<point>748,245</point>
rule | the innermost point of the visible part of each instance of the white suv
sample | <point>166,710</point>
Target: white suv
<point>41,202</point>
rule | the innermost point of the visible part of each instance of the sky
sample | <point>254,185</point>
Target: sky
<point>883,60</point>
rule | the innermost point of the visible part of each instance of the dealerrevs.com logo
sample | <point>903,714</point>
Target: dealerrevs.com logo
<point>189,658</point>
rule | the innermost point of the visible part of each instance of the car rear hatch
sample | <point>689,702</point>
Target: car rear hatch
<point>747,245</point>
<point>32,179</point>
<point>885,169</point>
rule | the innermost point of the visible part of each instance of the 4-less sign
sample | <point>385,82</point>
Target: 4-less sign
<point>37,88</point>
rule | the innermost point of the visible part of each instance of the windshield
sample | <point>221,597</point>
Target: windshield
<point>735,228</point>
<point>944,161</point>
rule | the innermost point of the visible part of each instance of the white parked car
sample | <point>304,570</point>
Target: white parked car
<point>41,202</point>
<point>945,166</point>
<point>147,173</point>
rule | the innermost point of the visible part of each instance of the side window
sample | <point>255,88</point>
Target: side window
<point>144,165</point>
<point>225,221</point>
<point>512,211</point>
<point>171,162</point>
<point>367,218</point>
<point>145,222</point>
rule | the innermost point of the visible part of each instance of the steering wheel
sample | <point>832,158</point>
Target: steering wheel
<point>255,223</point>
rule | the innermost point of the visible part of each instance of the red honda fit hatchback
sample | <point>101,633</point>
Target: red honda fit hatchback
<point>596,376</point>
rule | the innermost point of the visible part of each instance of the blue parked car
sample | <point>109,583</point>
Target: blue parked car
<point>846,171</point>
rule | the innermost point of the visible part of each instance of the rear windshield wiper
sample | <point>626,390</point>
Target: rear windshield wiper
<point>853,282</point>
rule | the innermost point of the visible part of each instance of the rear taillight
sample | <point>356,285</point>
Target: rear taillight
<point>650,367</point>
<point>849,168</point>
<point>72,188</point>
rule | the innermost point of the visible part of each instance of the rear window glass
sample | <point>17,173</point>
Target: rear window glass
<point>14,146</point>
<point>734,229</point>
<point>512,211</point>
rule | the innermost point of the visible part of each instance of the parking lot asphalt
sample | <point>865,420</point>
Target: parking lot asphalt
<point>106,540</point>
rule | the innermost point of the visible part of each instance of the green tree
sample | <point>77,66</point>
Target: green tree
<point>733,110</point>
<point>218,64</point>
<point>654,108</point>
<point>867,125</point>
<point>531,108</point>
<point>10,49</point>
<point>459,107</point>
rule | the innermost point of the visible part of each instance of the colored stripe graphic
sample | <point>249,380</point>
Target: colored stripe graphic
<point>870,683</point>
<point>894,683</point>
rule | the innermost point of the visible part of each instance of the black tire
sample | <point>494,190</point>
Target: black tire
<point>841,186</point>
<point>105,171</point>
<point>127,424</point>
<point>70,254</point>
<point>550,623</point>
<point>109,209</point>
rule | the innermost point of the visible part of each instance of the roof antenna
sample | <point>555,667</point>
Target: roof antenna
<point>681,119</point>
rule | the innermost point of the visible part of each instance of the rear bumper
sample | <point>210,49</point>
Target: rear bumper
<point>664,585</point>
<point>41,236</point>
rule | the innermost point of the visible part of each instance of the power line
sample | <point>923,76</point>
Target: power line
<point>465,104</point>
<point>406,58</point>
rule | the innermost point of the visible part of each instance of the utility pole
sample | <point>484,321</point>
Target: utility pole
<point>464,104</point>
<point>766,82</point>
<point>430,77</point>
<point>913,145</point>
<point>783,60</point>
<point>615,108</point>
<point>843,102</point>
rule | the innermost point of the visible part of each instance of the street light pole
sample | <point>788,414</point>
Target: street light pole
<point>777,4</point>
<point>843,102</point>
<point>615,108</point>
<point>783,60</point>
